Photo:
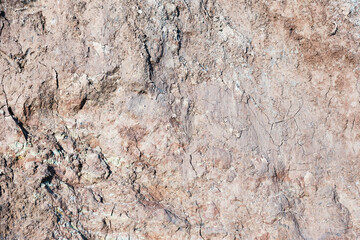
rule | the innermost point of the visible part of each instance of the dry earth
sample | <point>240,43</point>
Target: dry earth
<point>179,119</point>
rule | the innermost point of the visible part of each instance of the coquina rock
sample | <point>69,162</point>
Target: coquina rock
<point>179,119</point>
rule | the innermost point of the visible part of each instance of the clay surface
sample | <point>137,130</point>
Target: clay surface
<point>179,119</point>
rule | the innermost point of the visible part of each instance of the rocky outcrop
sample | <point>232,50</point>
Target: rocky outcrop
<point>203,119</point>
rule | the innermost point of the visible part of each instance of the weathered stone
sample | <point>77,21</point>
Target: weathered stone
<point>202,119</point>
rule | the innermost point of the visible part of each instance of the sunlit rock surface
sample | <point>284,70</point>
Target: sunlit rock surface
<point>182,119</point>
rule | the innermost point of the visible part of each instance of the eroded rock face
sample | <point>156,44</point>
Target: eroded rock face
<point>201,119</point>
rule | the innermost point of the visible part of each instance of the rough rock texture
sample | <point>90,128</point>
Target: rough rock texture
<point>179,119</point>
